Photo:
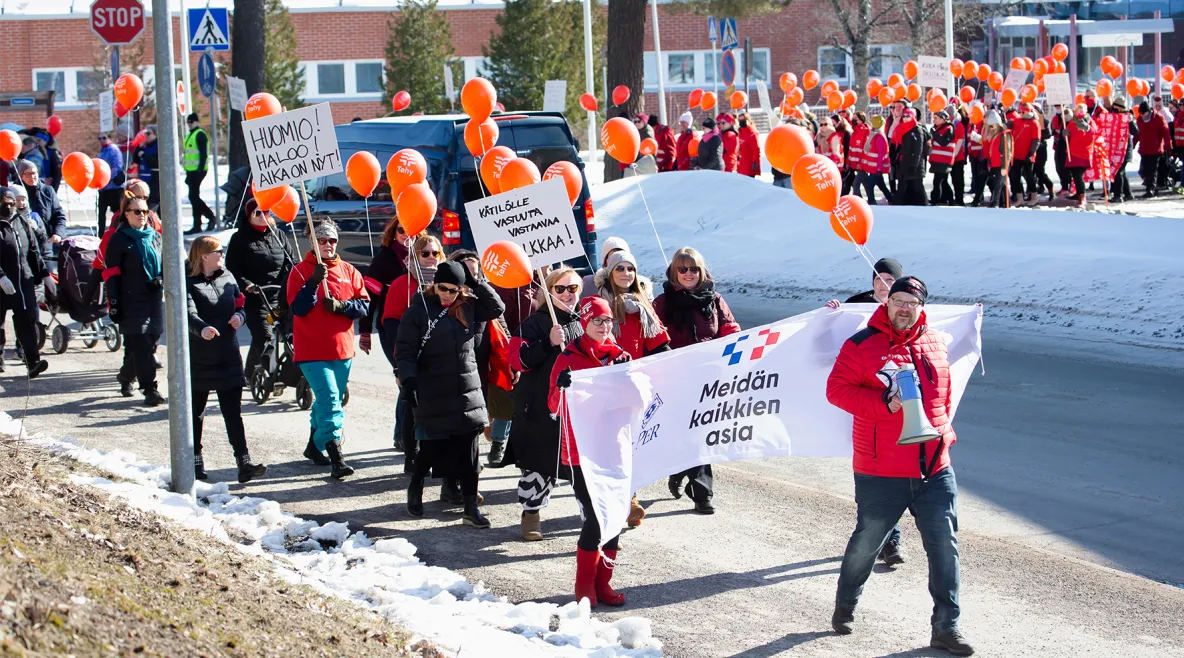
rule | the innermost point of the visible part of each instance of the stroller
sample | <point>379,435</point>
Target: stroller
<point>276,370</point>
<point>79,294</point>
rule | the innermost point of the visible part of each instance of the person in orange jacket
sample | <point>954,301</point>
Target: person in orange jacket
<point>750,148</point>
<point>730,139</point>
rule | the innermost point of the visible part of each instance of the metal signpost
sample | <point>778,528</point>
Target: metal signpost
<point>713,37</point>
<point>207,79</point>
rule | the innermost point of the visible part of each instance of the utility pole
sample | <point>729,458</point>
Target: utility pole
<point>184,39</point>
<point>950,43</point>
<point>660,66</point>
<point>173,254</point>
<point>589,79</point>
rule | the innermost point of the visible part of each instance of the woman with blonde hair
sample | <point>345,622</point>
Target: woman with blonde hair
<point>215,364</point>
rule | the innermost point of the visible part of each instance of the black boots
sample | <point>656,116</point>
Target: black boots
<point>674,484</point>
<point>953,642</point>
<point>152,397</point>
<point>415,498</point>
<point>473,516</point>
<point>125,389</point>
<point>341,469</point>
<point>248,470</point>
<point>497,452</point>
<point>38,368</point>
<point>891,554</point>
<point>199,468</point>
<point>450,491</point>
<point>843,620</point>
<point>316,456</point>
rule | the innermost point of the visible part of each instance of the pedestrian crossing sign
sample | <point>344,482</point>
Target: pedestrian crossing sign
<point>208,28</point>
<point>728,39</point>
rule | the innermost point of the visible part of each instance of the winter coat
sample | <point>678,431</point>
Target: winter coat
<point>750,153</point>
<point>832,147</point>
<point>911,155</point>
<point>854,387</point>
<point>1178,130</point>
<point>318,334</point>
<point>398,297</point>
<point>99,263</point>
<point>44,201</point>
<point>943,146</point>
<point>580,354</point>
<point>629,333</point>
<point>519,303</point>
<point>389,264</point>
<point>994,150</point>
<point>444,367</point>
<point>731,141</point>
<point>114,159</point>
<point>960,142</point>
<point>692,317</point>
<point>147,161</point>
<point>665,155</point>
<point>534,434</point>
<point>137,301</point>
<point>875,154</point>
<point>259,258</point>
<point>215,364</point>
<point>868,297</point>
<point>41,233</point>
<point>20,258</point>
<point>711,151</point>
<point>682,150</point>
<point>1155,135</point>
<point>1025,134</point>
<point>1081,141</point>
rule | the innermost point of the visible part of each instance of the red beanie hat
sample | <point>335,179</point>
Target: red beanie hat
<point>724,116</point>
<point>593,307</point>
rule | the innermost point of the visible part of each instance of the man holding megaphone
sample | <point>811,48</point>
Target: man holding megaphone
<point>894,378</point>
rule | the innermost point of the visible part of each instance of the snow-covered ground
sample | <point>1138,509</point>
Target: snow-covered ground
<point>1100,277</point>
<point>383,576</point>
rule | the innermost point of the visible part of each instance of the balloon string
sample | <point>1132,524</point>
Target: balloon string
<point>860,248</point>
<point>369,233</point>
<point>480,183</point>
<point>637,181</point>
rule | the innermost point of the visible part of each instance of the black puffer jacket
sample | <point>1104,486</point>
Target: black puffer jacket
<point>44,201</point>
<point>534,434</point>
<point>257,258</point>
<point>911,156</point>
<point>214,364</point>
<point>445,367</point>
<point>20,258</point>
<point>138,302</point>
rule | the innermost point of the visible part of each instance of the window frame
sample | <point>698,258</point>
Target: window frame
<point>312,93</point>
<point>701,59</point>
<point>69,99</point>
<point>849,62</point>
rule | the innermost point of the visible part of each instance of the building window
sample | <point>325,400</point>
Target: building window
<point>832,64</point>
<point>55,80</point>
<point>330,79</point>
<point>680,68</point>
<point>474,67</point>
<point>343,79</point>
<point>73,86</point>
<point>699,68</point>
<point>89,85</point>
<point>887,60</point>
<point>368,77</point>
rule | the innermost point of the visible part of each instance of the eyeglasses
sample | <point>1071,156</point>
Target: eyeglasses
<point>218,251</point>
<point>261,213</point>
<point>559,290</point>
<point>624,268</point>
<point>447,290</point>
<point>28,173</point>
<point>602,321</point>
<point>326,240</point>
<point>683,269</point>
<point>137,211</point>
<point>400,230</point>
<point>429,253</point>
<point>905,305</point>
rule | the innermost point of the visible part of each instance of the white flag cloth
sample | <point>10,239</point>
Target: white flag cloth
<point>758,393</point>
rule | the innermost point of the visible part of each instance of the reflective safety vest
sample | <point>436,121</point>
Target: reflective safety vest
<point>191,158</point>
<point>1178,130</point>
<point>855,147</point>
<point>939,154</point>
<point>975,148</point>
<point>960,142</point>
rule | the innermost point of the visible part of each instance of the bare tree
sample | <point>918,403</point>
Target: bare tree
<point>859,24</point>
<point>626,47</point>
<point>249,36</point>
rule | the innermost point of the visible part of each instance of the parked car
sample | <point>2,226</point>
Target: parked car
<point>542,137</point>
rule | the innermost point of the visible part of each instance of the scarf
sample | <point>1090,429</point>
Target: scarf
<point>650,326</point>
<point>400,250</point>
<point>901,129</point>
<point>684,304</point>
<point>602,352</point>
<point>572,329</point>
<point>141,239</point>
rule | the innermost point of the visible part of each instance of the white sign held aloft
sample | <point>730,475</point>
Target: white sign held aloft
<point>538,217</point>
<point>555,96</point>
<point>291,147</point>
<point>449,84</point>
<point>106,111</point>
<point>933,71</point>
<point>1057,90</point>
<point>238,92</point>
<point>1017,78</point>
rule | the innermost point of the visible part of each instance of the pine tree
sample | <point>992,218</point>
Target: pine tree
<point>419,45</point>
<point>283,76</point>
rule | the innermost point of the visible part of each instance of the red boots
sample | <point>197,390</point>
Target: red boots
<point>593,573</point>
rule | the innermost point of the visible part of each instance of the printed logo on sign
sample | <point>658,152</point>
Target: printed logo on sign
<point>647,433</point>
<point>735,355</point>
<point>818,171</point>
<point>651,410</point>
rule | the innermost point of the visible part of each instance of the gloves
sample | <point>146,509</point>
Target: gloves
<point>564,379</point>
<point>888,377</point>
<point>333,305</point>
<point>156,285</point>
<point>319,271</point>
<point>470,280</point>
<point>7,286</point>
<point>114,313</point>
<point>364,343</point>
<point>409,394</point>
<point>51,286</point>
<point>625,357</point>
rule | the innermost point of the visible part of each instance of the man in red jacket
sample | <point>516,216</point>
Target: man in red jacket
<point>1154,133</point>
<point>664,136</point>
<point>682,151</point>
<point>891,478</point>
<point>730,139</point>
<point>1025,134</point>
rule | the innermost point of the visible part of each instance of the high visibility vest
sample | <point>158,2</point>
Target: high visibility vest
<point>191,158</point>
<point>960,142</point>
<point>939,154</point>
<point>1178,130</point>
<point>855,148</point>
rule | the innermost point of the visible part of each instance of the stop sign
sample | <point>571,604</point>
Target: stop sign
<point>117,22</point>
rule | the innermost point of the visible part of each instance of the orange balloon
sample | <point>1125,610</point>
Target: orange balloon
<point>477,98</point>
<point>898,92</point>
<point>416,208</point>
<point>694,98</point>
<point>1116,71</point>
<point>829,87</point>
<point>938,102</point>
<point>102,174</point>
<point>739,100</point>
<point>77,170</point>
<point>491,167</point>
<point>288,206</point>
<point>956,67</point>
<point>1040,68</point>
<point>976,113</point>
<point>789,82</point>
<point>969,70</point>
<point>913,92</point>
<point>1009,97</point>
<point>1060,67</point>
<point>995,81</point>
<point>984,72</point>
<point>1107,63</point>
<point>693,147</point>
<point>505,265</point>
<point>620,139</point>
<point>1104,88</point>
<point>620,94</point>
<point>363,172</point>
<point>1018,63</point>
<point>895,80</point>
<point>966,94</point>
<point>1027,63</point>
<point>817,182</point>
<point>707,102</point>
<point>785,145</point>
<point>648,146</point>
<point>910,70</point>
<point>1177,91</point>
<point>258,106</point>
<point>265,199</point>
<point>873,87</point>
<point>1060,52</point>
<point>588,102</point>
<point>400,101</point>
<point>796,96</point>
<point>10,145</point>
<point>887,97</point>
<point>517,173</point>
<point>852,219</point>
<point>1146,87</point>
<point>849,98</point>
<point>1028,93</point>
<point>1133,88</point>
<point>1079,99</point>
<point>1040,85</point>
<point>1168,73</point>
<point>481,136</point>
<point>405,167</point>
<point>810,79</point>
<point>834,101</point>
<point>129,90</point>
<point>573,180</point>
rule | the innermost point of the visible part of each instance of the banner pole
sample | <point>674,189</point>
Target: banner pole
<point>312,238</point>
<point>547,296</point>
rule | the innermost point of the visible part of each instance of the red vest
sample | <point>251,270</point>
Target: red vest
<point>975,148</point>
<point>856,147</point>
<point>960,142</point>
<point>1178,130</point>
<point>939,154</point>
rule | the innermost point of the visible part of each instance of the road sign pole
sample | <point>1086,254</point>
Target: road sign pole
<point>214,159</point>
<point>715,73</point>
<point>661,68</point>
<point>183,37</point>
<point>589,79</point>
<point>173,257</point>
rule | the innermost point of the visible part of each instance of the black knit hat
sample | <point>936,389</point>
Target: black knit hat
<point>889,266</point>
<point>450,272</point>
<point>910,285</point>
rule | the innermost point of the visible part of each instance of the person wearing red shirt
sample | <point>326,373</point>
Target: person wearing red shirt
<point>326,298</point>
<point>1025,135</point>
<point>730,139</point>
<point>1178,135</point>
<point>1153,134</point>
<point>1079,138</point>
<point>682,148</point>
<point>664,136</point>
<point>750,148</point>
<point>978,162</point>
<point>890,478</point>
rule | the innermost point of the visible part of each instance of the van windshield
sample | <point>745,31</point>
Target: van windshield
<point>542,144</point>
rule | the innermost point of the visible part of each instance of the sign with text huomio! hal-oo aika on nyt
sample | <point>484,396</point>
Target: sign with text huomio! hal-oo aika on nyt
<point>291,147</point>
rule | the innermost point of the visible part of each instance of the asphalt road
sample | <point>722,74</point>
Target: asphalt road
<point>1069,461</point>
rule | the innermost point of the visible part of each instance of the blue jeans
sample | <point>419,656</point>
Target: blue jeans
<point>328,380</point>
<point>881,502</point>
<point>500,431</point>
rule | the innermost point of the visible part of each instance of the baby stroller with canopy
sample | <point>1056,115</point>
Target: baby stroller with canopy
<point>79,294</point>
<point>276,370</point>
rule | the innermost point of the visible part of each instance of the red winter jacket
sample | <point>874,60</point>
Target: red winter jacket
<point>731,142</point>
<point>580,354</point>
<point>320,335</point>
<point>682,151</point>
<point>750,153</point>
<point>398,297</point>
<point>1081,142</point>
<point>633,340</point>
<point>1154,135</point>
<point>960,142</point>
<point>854,387</point>
<point>875,154</point>
<point>666,148</point>
<point>1025,134</point>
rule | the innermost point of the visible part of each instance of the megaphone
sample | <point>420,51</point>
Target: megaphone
<point>917,428</point>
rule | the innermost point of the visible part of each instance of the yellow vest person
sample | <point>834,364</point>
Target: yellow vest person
<point>195,160</point>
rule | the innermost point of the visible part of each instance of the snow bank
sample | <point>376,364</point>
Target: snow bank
<point>384,576</point>
<point>1105,276</point>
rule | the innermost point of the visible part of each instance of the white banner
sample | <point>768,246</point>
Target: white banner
<point>1057,90</point>
<point>237,89</point>
<point>759,393</point>
<point>291,147</point>
<point>555,96</point>
<point>107,112</point>
<point>933,71</point>
<point>538,217</point>
<point>1017,78</point>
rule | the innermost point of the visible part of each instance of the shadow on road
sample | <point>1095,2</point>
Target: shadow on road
<point>781,644</point>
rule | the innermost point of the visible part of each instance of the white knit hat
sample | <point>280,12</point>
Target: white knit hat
<point>614,243</point>
<point>687,118</point>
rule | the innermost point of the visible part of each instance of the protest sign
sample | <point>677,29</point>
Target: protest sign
<point>237,89</point>
<point>538,217</point>
<point>1110,146</point>
<point>291,147</point>
<point>1017,78</point>
<point>555,96</point>
<point>759,393</point>
<point>106,111</point>
<point>933,72</point>
<point>1057,90</point>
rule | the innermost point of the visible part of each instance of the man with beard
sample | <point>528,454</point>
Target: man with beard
<point>891,478</point>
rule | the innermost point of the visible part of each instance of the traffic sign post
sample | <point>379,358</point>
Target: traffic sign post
<point>713,37</point>
<point>208,29</point>
<point>207,79</point>
<point>117,22</point>
<point>727,68</point>
<point>728,38</point>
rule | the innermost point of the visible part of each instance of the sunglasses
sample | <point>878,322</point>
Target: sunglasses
<point>218,251</point>
<point>447,290</point>
<point>624,268</point>
<point>429,253</point>
<point>262,213</point>
<point>559,290</point>
<point>399,229</point>
<point>683,269</point>
<point>326,240</point>
<point>137,211</point>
